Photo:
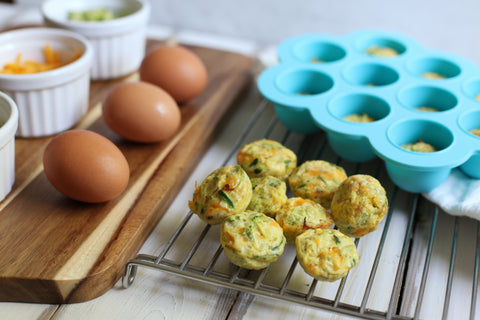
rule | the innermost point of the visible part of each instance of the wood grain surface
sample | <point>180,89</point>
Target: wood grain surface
<point>56,250</point>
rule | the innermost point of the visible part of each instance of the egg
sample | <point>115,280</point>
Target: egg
<point>141,112</point>
<point>85,166</point>
<point>177,70</point>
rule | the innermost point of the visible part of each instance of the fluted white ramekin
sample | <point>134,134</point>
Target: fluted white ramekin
<point>8,127</point>
<point>52,101</point>
<point>119,44</point>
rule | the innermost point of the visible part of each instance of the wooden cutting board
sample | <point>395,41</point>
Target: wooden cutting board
<point>57,250</point>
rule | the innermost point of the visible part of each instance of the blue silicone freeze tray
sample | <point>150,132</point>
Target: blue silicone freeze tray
<point>322,78</point>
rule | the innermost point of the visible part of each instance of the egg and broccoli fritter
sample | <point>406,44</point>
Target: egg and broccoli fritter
<point>250,201</point>
<point>326,254</point>
<point>269,194</point>
<point>298,215</point>
<point>359,204</point>
<point>251,240</point>
<point>316,180</point>
<point>224,192</point>
<point>265,157</point>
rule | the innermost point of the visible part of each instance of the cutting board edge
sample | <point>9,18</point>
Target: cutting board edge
<point>50,291</point>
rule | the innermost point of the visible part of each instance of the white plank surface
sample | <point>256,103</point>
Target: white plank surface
<point>159,295</point>
<point>20,311</point>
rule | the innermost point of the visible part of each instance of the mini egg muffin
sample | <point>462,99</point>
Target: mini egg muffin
<point>269,194</point>
<point>419,146</point>
<point>224,192</point>
<point>381,52</point>
<point>326,254</point>
<point>475,132</point>
<point>358,205</point>
<point>267,158</point>
<point>316,180</point>
<point>251,240</point>
<point>433,75</point>
<point>298,215</point>
<point>360,118</point>
<point>426,109</point>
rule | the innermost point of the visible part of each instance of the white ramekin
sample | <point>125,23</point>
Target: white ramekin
<point>119,44</point>
<point>52,101</point>
<point>8,127</point>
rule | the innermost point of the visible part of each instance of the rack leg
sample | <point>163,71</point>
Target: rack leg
<point>129,275</point>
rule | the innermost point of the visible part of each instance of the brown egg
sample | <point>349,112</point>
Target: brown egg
<point>177,70</point>
<point>86,166</point>
<point>141,112</point>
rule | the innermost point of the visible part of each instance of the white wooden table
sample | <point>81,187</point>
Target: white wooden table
<point>159,295</point>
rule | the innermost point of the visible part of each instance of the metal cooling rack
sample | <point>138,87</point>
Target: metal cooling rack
<point>413,273</point>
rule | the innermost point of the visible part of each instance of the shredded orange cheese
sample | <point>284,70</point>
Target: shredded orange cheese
<point>52,61</point>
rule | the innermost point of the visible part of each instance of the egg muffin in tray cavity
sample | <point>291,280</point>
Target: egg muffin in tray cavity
<point>358,205</point>
<point>326,254</point>
<point>267,158</point>
<point>224,192</point>
<point>316,180</point>
<point>269,194</point>
<point>251,239</point>
<point>298,215</point>
<point>419,146</point>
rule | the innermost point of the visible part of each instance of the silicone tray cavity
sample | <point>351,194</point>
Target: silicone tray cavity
<point>323,78</point>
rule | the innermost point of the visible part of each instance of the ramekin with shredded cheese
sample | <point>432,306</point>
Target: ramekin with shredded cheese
<point>53,100</point>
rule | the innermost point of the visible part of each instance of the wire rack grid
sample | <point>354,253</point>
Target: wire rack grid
<point>417,258</point>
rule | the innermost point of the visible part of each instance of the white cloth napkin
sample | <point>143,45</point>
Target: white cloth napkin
<point>458,195</point>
